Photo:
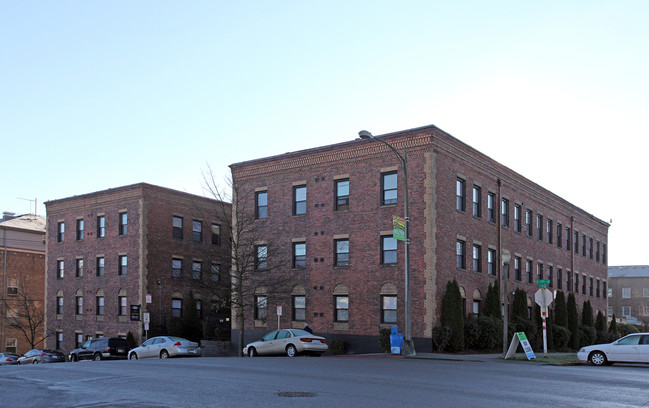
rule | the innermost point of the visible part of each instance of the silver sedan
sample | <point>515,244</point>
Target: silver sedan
<point>165,346</point>
<point>287,341</point>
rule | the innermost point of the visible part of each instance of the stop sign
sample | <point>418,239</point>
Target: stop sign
<point>542,295</point>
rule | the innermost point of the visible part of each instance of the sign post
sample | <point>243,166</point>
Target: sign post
<point>544,298</point>
<point>146,318</point>
<point>279,314</point>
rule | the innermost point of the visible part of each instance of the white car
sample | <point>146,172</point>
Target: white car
<point>287,341</point>
<point>165,346</point>
<point>633,348</point>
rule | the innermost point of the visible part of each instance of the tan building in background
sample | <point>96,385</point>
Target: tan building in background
<point>22,253</point>
<point>628,294</point>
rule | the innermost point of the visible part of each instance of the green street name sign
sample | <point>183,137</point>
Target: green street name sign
<point>543,283</point>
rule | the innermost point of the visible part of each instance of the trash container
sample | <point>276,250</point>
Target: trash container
<point>396,340</point>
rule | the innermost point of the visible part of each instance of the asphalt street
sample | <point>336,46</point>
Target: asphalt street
<point>329,381</point>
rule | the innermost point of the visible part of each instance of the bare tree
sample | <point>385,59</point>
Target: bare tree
<point>25,313</point>
<point>252,270</point>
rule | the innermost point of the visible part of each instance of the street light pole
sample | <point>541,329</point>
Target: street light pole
<point>506,258</point>
<point>408,344</point>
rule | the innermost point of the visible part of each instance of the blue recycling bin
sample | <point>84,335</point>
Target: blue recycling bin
<point>396,340</point>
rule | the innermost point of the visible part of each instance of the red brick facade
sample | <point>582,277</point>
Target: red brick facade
<point>137,261</point>
<point>436,161</point>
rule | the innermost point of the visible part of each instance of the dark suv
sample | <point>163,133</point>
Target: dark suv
<point>103,348</point>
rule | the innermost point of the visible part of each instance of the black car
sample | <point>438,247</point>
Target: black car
<point>37,356</point>
<point>103,348</point>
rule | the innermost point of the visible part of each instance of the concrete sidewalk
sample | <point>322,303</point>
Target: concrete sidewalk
<point>452,357</point>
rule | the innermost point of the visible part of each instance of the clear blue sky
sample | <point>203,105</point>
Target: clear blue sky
<point>100,94</point>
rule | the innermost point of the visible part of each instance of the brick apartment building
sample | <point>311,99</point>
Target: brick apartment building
<point>328,211</point>
<point>628,293</point>
<point>112,251</point>
<point>22,253</point>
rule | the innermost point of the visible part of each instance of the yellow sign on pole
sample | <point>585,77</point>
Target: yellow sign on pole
<point>398,228</point>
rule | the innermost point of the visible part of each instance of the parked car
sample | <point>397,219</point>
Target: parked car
<point>633,348</point>
<point>102,348</point>
<point>37,356</point>
<point>166,346</point>
<point>287,341</point>
<point>8,358</point>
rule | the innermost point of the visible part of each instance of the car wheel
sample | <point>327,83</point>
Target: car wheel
<point>34,361</point>
<point>97,357</point>
<point>73,358</point>
<point>133,356</point>
<point>164,354</point>
<point>291,351</point>
<point>252,352</point>
<point>597,358</point>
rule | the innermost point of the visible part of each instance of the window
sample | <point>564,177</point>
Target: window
<point>11,346</point>
<point>341,188</point>
<point>341,247</point>
<point>548,230</point>
<point>559,279</point>
<point>197,272</point>
<point>100,266</point>
<point>197,231</point>
<point>460,254</point>
<point>299,200</point>
<point>59,340</point>
<point>199,308</point>
<point>261,205</point>
<point>79,268</point>
<point>539,271</point>
<point>60,269</point>
<point>597,287</point>
<point>576,241</point>
<point>504,211</point>
<point>60,232</point>
<point>569,281</point>
<point>299,255</point>
<point>597,252</point>
<point>590,248</point>
<point>123,263</point>
<point>215,272</point>
<point>79,303</point>
<point>299,308</point>
<point>477,258</point>
<point>101,226</point>
<point>176,268</point>
<point>80,226</point>
<point>608,293</point>
<point>583,245</point>
<point>122,304</point>
<point>645,292</point>
<point>568,235</point>
<point>342,308</point>
<point>123,223</point>
<point>389,188</point>
<point>491,207</point>
<point>604,259</point>
<point>216,234</point>
<point>626,311</point>
<point>576,282</point>
<point>12,287</point>
<point>388,250</point>
<point>491,262</point>
<point>78,339</point>
<point>517,218</point>
<point>528,222</point>
<point>476,307</point>
<point>477,201</point>
<point>176,307</point>
<point>460,193</point>
<point>100,306</point>
<point>518,273</point>
<point>528,270</point>
<point>177,226</point>
<point>262,257</point>
<point>261,307</point>
<point>59,304</point>
<point>626,293</point>
<point>559,235</point>
<point>550,276</point>
<point>583,284</point>
<point>388,309</point>
<point>590,286</point>
<point>539,227</point>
